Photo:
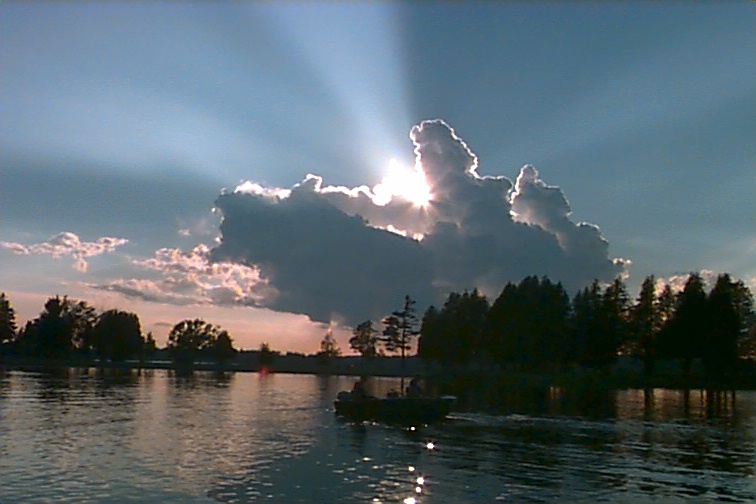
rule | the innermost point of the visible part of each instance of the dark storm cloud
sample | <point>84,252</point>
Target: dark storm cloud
<point>328,253</point>
<point>322,262</point>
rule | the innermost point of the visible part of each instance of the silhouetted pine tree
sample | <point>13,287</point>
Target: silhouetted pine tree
<point>729,307</point>
<point>613,322</point>
<point>502,323</point>
<point>527,323</point>
<point>431,344</point>
<point>401,328</point>
<point>685,332</point>
<point>585,330</point>
<point>456,333</point>
<point>645,323</point>
<point>8,327</point>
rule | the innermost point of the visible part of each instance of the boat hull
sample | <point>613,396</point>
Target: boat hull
<point>402,410</point>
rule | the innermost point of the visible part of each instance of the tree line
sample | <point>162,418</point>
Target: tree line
<point>534,324</point>
<point>68,328</point>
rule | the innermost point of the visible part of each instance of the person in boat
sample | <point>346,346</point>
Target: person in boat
<point>415,388</point>
<point>359,390</point>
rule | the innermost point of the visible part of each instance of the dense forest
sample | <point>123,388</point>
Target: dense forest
<point>533,325</point>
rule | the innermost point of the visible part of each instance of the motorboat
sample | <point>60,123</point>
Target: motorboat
<point>394,409</point>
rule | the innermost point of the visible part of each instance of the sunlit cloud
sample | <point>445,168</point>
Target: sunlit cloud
<point>67,244</point>
<point>400,183</point>
<point>191,278</point>
<point>423,231</point>
<point>248,187</point>
<point>409,184</point>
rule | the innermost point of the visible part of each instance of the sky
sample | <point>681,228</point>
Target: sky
<point>282,168</point>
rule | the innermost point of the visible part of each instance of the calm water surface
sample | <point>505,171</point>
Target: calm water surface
<point>83,436</point>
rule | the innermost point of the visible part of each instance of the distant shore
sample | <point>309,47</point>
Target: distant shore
<point>246,362</point>
<point>625,375</point>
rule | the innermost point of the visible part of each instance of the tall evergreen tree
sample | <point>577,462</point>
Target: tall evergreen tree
<point>645,324</point>
<point>613,321</point>
<point>744,302</point>
<point>401,328</point>
<point>527,323</point>
<point>585,329</point>
<point>666,302</point>
<point>501,322</point>
<point>431,344</point>
<point>456,333</point>
<point>684,334</point>
<point>729,307</point>
<point>8,327</point>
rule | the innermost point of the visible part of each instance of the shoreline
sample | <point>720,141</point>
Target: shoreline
<point>444,380</point>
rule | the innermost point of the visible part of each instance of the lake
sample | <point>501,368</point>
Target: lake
<point>89,436</point>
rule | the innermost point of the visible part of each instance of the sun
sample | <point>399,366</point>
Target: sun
<point>403,182</point>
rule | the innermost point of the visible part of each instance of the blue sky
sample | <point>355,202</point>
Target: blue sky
<point>127,120</point>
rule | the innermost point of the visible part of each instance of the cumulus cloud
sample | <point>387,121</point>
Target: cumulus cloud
<point>331,251</point>
<point>67,244</point>
<point>322,261</point>
<point>188,278</point>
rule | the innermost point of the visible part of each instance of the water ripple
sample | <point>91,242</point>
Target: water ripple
<point>88,437</point>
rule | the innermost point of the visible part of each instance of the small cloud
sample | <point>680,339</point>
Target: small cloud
<point>67,244</point>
